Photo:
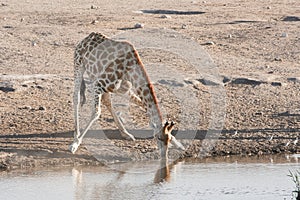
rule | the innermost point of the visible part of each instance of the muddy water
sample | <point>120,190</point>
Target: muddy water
<point>222,178</point>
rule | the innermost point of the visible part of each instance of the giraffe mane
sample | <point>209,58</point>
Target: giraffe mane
<point>151,87</point>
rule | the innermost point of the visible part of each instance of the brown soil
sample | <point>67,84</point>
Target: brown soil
<point>255,44</point>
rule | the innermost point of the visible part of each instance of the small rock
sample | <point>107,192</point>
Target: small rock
<point>291,19</point>
<point>3,166</point>
<point>39,87</point>
<point>7,26</point>
<point>209,43</point>
<point>294,79</point>
<point>22,19</point>
<point>42,108</point>
<point>94,22</point>
<point>277,59</point>
<point>139,25</point>
<point>229,36</point>
<point>226,79</point>
<point>165,16</point>
<point>268,7</point>
<point>183,26</point>
<point>284,35</point>
<point>25,108</point>
<point>33,43</point>
<point>210,82</point>
<point>4,4</point>
<point>276,84</point>
<point>94,7</point>
<point>246,81</point>
<point>56,44</point>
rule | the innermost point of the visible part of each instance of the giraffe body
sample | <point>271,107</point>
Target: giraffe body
<point>113,67</point>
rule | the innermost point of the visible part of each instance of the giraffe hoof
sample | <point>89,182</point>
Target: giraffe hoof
<point>74,146</point>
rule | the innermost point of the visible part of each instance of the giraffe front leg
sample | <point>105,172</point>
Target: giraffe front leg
<point>95,115</point>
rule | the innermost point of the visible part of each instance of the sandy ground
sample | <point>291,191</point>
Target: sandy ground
<point>256,46</point>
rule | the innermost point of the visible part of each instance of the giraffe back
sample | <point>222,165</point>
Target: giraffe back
<point>101,56</point>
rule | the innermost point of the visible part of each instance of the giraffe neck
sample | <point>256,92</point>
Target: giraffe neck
<point>145,90</point>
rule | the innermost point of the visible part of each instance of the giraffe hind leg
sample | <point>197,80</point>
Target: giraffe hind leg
<point>107,102</point>
<point>125,87</point>
<point>76,100</point>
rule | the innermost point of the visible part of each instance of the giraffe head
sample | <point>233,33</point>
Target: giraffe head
<point>165,138</point>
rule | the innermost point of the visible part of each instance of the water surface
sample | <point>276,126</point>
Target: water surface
<point>223,178</point>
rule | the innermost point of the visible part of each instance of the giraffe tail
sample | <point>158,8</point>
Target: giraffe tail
<point>82,93</point>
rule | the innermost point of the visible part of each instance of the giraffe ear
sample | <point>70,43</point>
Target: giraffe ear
<point>165,127</point>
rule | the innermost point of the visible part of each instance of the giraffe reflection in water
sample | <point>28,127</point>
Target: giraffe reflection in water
<point>163,173</point>
<point>111,183</point>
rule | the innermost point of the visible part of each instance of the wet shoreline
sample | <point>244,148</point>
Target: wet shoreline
<point>51,150</point>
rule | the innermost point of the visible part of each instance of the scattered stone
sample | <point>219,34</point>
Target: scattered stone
<point>139,25</point>
<point>277,59</point>
<point>94,22</point>
<point>229,36</point>
<point>226,79</point>
<point>276,84</point>
<point>291,19</point>
<point>33,43</point>
<point>294,79</point>
<point>209,82</point>
<point>246,81</point>
<point>4,4</point>
<point>284,35</point>
<point>6,87</point>
<point>22,19</point>
<point>94,7</point>
<point>268,7</point>
<point>183,26</point>
<point>4,166</point>
<point>165,17</point>
<point>39,87</point>
<point>25,108</point>
<point>209,43</point>
<point>56,44</point>
<point>42,108</point>
<point>8,26</point>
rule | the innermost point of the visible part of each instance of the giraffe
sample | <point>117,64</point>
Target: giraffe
<point>115,67</point>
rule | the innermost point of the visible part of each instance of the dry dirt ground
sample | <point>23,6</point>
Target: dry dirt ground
<point>255,89</point>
